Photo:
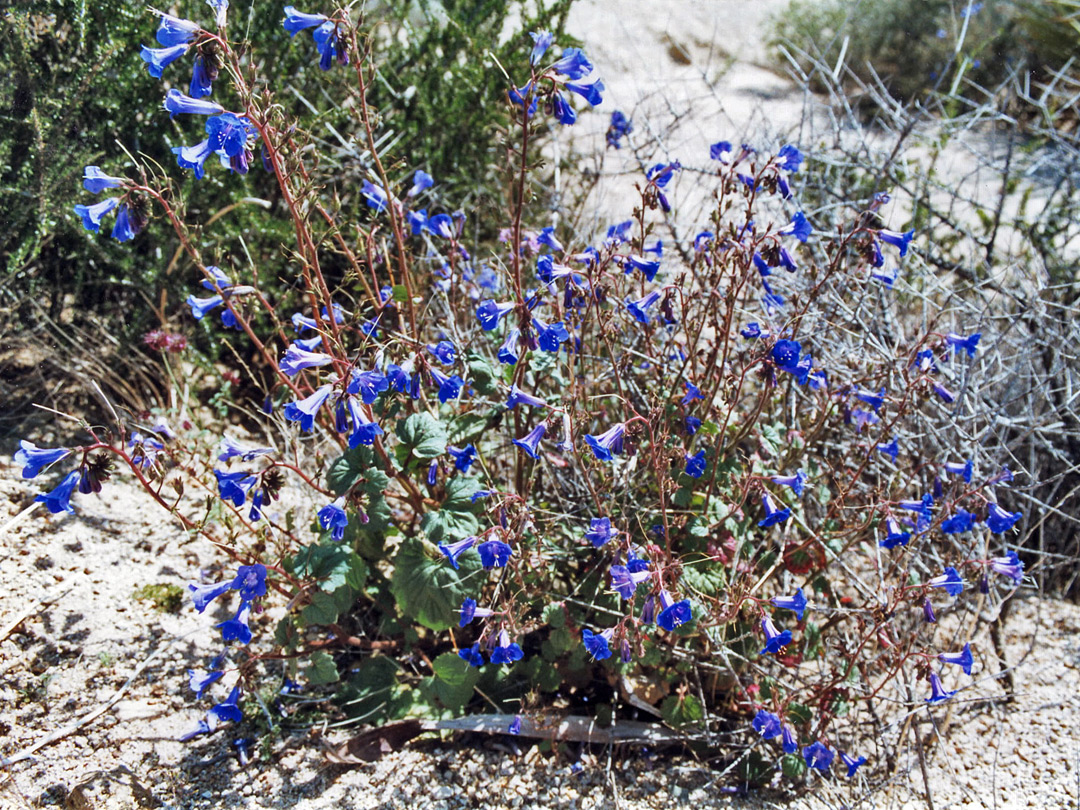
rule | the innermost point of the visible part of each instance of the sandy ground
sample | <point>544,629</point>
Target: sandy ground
<point>71,633</point>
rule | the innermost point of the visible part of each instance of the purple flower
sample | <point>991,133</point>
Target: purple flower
<point>949,580</point>
<point>596,644</point>
<point>607,443</point>
<point>959,523</point>
<point>176,103</point>
<point>125,228</point>
<point>962,659</point>
<point>773,515</point>
<point>696,464</point>
<point>199,681</point>
<point>789,158</point>
<point>649,268</point>
<point>297,359</point>
<point>59,499</point>
<point>775,641</point>
<point>600,532</point>
<point>549,337</point>
<point>852,763</point>
<point>800,227</point>
<point>961,343</point>
<point>692,425</point>
<point>203,595</point>
<point>235,486</point>
<point>515,725</point>
<point>236,628</point>
<point>174,31</point>
<point>433,472</point>
<point>421,182</point>
<point>489,313</point>
<point>573,64</point>
<point>721,150</point>
<point>640,308</point>
<point>530,442</point>
<point>625,581</point>
<point>368,384</point>
<point>194,157</point>
<point>818,755</point>
<point>766,724</point>
<point>226,711</point>
<point>296,21</point>
<point>444,351</point>
<point>463,457</point>
<point>470,611</point>
<point>947,396</point>
<point>203,73</point>
<point>455,550</point>
<point>928,611</point>
<point>228,132</point>
<point>753,331</point>
<point>797,482</point>
<point>250,581</point>
<point>619,128</point>
<point>494,554</point>
<point>796,603</point>
<point>672,613</point>
<point>590,92</point>
<point>158,58</point>
<point>875,401</point>
<point>896,239</point>
<point>328,44</point>
<point>788,739</point>
<point>333,519</point>
<point>1002,478</point>
<point>1009,566</point>
<point>692,393</point>
<point>506,652</point>
<point>34,459</point>
<point>305,410</point>
<point>364,430</point>
<point>964,469</point>
<point>472,655</point>
<point>93,214</point>
<point>895,536</point>
<point>1000,521</point>
<point>519,397</point>
<point>938,693</point>
<point>96,181</point>
<point>449,387</point>
<point>508,352</point>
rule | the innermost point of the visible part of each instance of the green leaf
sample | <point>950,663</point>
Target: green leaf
<point>812,641</point>
<point>350,468</point>
<point>459,492</point>
<point>704,574</point>
<point>322,669</point>
<point>555,615</point>
<point>370,689</point>
<point>447,526</point>
<point>680,712</point>
<point>454,680</point>
<point>799,713</point>
<point>400,294</point>
<point>483,375</point>
<point>423,434</point>
<point>793,766</point>
<point>463,429</point>
<point>336,564</point>
<point>427,588</point>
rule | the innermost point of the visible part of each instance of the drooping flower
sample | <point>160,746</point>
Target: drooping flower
<point>928,611</point>
<point>875,401</point>
<point>608,443</point>
<point>455,550</point>
<point>796,603</point>
<point>789,158</point>
<point>938,693</point>
<point>696,464</point>
<point>799,227</point>
<point>961,343</point>
<point>773,515</point>
<point>819,756</point>
<point>672,613</point>
<point>1001,479</point>
<point>158,58</point>
<point>236,628</point>
<point>962,659</point>
<point>999,520</point>
<point>199,681</point>
<point>853,764</point>
<point>296,21</point>
<point>297,359</point>
<point>444,351</point>
<point>59,499</point>
<point>519,397</point>
<point>895,535</point>
<point>789,741</point>
<point>463,456</point>
<point>964,469</point>
<point>490,312</point>
<point>305,410</point>
<point>334,519</point>
<point>549,337</point>
<point>470,611</point>
<point>573,64</point>
<point>949,580</point>
<point>618,129</point>
<point>174,31</point>
<point>624,581</point>
<point>227,711</point>
<point>176,103</point>
<point>494,554</point>
<point>508,352</point>
<point>775,641</point>
<point>541,42</point>
<point>472,655</point>
<point>34,459</point>
<point>600,531</point>
<point>96,181</point>
<point>596,644</point>
<point>797,482</point>
<point>506,652</point>
<point>959,523</point>
<point>640,308</point>
<point>449,387</point>
<point>1009,566</point>
<point>328,44</point>
<point>649,268</point>
<point>766,724</point>
<point>93,214</point>
<point>364,430</point>
<point>530,442</point>
<point>590,92</point>
<point>896,239</point>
